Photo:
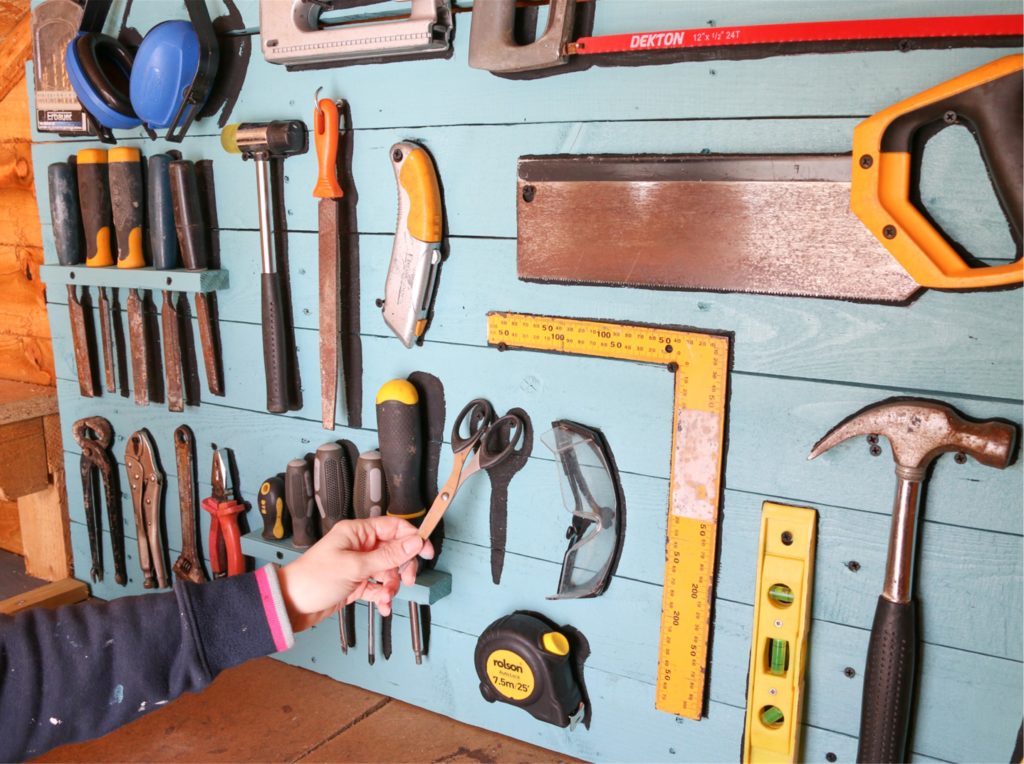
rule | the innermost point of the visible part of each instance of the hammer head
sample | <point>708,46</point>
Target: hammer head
<point>919,430</point>
<point>265,140</point>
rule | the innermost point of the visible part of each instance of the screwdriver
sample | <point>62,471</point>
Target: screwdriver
<point>94,198</point>
<point>399,428</point>
<point>67,233</point>
<point>370,498</point>
<point>163,245</point>
<point>277,524</point>
<point>332,489</point>
<point>298,497</point>
<point>126,202</point>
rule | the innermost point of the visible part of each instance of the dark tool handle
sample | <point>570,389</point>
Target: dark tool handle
<point>992,111</point>
<point>888,683</point>
<point>298,496</point>
<point>188,215</point>
<point>370,492</point>
<point>277,522</point>
<point>94,198</point>
<point>127,202</point>
<point>332,485</point>
<point>64,213</point>
<point>163,240</point>
<point>401,448</point>
<point>274,360</point>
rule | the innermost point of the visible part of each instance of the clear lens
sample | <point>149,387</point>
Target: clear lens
<point>589,493</point>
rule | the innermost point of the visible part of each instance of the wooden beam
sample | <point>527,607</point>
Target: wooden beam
<point>10,529</point>
<point>63,592</point>
<point>15,50</point>
<point>44,532</point>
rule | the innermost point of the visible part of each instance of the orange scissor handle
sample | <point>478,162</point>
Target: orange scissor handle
<point>326,124</point>
<point>987,101</point>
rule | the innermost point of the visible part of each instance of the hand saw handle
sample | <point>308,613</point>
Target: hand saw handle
<point>887,146</point>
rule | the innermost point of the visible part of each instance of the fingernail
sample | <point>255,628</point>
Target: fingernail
<point>412,544</point>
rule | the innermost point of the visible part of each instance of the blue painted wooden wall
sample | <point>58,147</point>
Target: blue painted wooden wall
<point>800,367</point>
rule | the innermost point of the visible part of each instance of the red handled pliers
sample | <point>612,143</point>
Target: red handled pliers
<point>225,541</point>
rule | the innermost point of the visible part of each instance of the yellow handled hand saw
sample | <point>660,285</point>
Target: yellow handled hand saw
<point>779,224</point>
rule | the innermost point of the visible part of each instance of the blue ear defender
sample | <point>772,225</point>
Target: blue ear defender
<point>165,66</point>
<point>99,69</point>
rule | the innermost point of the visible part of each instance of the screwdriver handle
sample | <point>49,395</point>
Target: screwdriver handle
<point>332,485</point>
<point>65,213</point>
<point>277,523</point>
<point>94,198</point>
<point>326,123</point>
<point>370,494</point>
<point>298,496</point>
<point>127,197</point>
<point>188,215</point>
<point>401,448</point>
<point>163,241</point>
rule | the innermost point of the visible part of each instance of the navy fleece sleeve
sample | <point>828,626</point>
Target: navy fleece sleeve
<point>79,671</point>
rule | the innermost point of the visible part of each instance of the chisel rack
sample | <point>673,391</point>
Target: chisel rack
<point>178,280</point>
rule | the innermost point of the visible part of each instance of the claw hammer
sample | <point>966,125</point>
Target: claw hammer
<point>918,431</point>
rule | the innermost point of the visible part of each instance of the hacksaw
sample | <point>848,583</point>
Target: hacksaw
<point>699,364</point>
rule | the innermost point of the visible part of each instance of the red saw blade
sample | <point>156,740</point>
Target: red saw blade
<point>813,31</point>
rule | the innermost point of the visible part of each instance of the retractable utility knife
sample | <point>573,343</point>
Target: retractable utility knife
<point>416,253</point>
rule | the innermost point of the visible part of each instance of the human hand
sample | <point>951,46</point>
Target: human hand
<point>337,569</point>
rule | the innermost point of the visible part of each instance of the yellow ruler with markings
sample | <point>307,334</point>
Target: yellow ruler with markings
<point>700,365</point>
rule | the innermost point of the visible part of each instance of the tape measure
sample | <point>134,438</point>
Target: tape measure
<point>523,660</point>
<point>700,365</point>
<point>782,619</point>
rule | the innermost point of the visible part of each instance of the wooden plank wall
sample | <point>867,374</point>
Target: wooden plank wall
<point>800,366</point>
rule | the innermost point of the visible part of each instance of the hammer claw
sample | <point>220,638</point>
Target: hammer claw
<point>920,430</point>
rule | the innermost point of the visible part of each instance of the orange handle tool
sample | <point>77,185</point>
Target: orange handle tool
<point>326,123</point>
<point>225,539</point>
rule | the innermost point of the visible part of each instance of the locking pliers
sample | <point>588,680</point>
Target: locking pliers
<point>94,436</point>
<point>146,481</point>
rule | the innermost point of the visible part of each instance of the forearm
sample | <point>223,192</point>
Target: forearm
<point>80,671</point>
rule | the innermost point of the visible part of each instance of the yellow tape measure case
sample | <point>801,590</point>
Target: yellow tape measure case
<point>526,660</point>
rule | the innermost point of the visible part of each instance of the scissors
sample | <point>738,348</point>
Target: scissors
<point>488,442</point>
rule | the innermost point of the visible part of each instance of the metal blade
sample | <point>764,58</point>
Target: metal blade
<point>172,352</point>
<point>137,340</point>
<point>106,337</point>
<point>770,225</point>
<point>330,256</point>
<point>206,311</point>
<point>80,343</point>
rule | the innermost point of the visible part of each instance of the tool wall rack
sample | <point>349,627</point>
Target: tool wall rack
<point>178,280</point>
<point>799,365</point>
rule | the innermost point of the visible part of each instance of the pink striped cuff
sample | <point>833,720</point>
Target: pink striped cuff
<point>273,607</point>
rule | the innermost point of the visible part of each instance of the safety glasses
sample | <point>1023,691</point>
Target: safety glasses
<point>592,494</point>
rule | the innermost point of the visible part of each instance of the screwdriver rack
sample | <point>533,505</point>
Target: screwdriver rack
<point>178,280</point>
<point>430,586</point>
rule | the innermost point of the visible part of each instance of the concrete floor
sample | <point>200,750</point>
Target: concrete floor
<point>267,711</point>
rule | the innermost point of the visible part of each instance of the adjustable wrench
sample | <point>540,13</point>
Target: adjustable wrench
<point>189,565</point>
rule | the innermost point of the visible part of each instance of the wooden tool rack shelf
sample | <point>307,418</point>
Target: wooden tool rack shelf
<point>177,280</point>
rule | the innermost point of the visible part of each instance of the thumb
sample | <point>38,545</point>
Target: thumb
<point>391,555</point>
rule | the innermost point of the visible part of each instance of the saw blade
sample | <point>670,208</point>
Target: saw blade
<point>732,223</point>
